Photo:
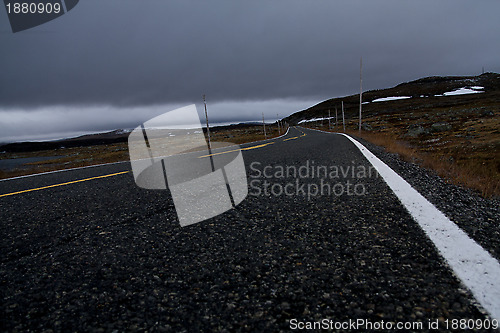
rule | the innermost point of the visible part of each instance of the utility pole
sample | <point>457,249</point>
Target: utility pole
<point>335,117</point>
<point>278,122</point>
<point>208,129</point>
<point>264,123</point>
<point>360,89</point>
<point>329,123</point>
<point>343,118</point>
<point>208,133</point>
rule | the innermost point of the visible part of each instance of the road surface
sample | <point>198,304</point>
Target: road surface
<point>88,250</point>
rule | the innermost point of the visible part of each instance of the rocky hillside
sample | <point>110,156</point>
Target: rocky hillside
<point>425,95</point>
<point>452,124</point>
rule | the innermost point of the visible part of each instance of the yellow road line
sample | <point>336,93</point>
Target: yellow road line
<point>230,151</point>
<point>296,137</point>
<point>303,134</point>
<point>259,146</point>
<point>253,147</point>
<point>62,184</point>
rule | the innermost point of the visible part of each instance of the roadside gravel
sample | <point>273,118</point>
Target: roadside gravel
<point>477,216</point>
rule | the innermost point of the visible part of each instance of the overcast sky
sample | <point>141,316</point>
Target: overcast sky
<point>116,63</point>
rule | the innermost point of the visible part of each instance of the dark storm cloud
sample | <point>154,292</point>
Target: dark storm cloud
<point>133,53</point>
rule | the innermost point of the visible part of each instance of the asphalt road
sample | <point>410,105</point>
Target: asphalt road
<point>105,255</point>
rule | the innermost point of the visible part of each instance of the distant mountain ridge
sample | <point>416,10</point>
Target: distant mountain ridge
<point>86,140</point>
<point>110,137</point>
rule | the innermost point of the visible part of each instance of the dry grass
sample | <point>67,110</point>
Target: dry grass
<point>244,135</point>
<point>72,158</point>
<point>459,161</point>
<point>100,154</point>
<point>474,174</point>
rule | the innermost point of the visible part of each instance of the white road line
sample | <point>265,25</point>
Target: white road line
<point>63,170</point>
<point>282,135</point>
<point>477,269</point>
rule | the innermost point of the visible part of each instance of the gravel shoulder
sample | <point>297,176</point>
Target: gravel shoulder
<point>477,216</point>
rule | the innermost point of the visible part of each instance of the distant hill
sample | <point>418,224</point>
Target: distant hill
<point>80,141</point>
<point>116,136</point>
<point>422,92</point>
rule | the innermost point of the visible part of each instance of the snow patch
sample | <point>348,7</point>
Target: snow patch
<point>314,119</point>
<point>123,131</point>
<point>463,91</point>
<point>392,98</point>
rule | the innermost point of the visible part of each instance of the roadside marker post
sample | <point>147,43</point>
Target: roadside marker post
<point>329,123</point>
<point>343,118</point>
<point>360,89</point>
<point>335,117</point>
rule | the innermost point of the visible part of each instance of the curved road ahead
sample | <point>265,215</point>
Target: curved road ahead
<point>98,253</point>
